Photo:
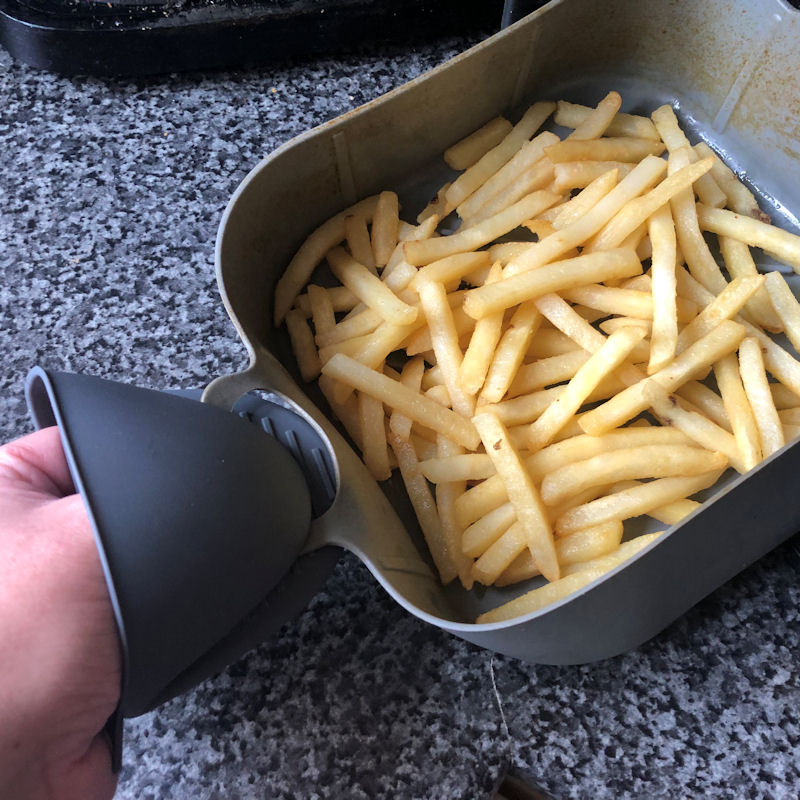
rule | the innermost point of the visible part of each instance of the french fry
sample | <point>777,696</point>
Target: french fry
<point>641,178</point>
<point>482,344</point>
<point>464,153</point>
<point>786,306</point>
<point>385,227</point>
<point>539,176</point>
<point>706,433</point>
<point>569,175</point>
<point>739,263</point>
<point>370,289</point>
<point>725,305</point>
<point>674,138</point>
<point>526,157</point>
<point>785,245</point>
<point>471,180</point>
<point>637,211</point>
<point>424,507</point>
<point>445,344</point>
<point>699,356</point>
<point>648,461</point>
<point>693,246</point>
<point>625,302</point>
<point>436,208</point>
<point>446,494</point>
<point>571,115</point>
<point>602,364</point>
<point>558,276</point>
<point>596,122</point>
<point>411,376</point>
<point>522,493</point>
<point>756,387</point>
<point>547,372</point>
<point>664,338</point>
<point>625,149</point>
<point>475,236</point>
<point>373,437</point>
<point>743,423</point>
<point>311,253</point>
<point>358,241</point>
<point>303,347</point>
<point>342,299</point>
<point>551,593</point>
<point>578,548</point>
<point>450,267</point>
<point>462,467</point>
<point>565,214</point>
<point>633,502</point>
<point>739,198</point>
<point>397,396</point>
<point>509,352</point>
<point>322,313</point>
<point>483,498</point>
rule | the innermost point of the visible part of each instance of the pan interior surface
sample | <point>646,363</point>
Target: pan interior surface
<point>729,68</point>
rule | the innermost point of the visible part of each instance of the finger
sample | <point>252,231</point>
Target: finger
<point>37,460</point>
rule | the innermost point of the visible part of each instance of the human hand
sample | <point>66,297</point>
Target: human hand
<point>59,650</point>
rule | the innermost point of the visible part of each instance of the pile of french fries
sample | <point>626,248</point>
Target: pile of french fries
<point>571,357</point>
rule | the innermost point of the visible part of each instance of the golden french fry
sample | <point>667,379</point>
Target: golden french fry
<point>358,241</point>
<point>739,198</point>
<point>565,214</point>
<point>538,176</point>
<point>464,153</point>
<point>648,461</point>
<point>471,180</point>
<point>370,289</point>
<point>311,253</point>
<point>698,257</point>
<point>633,502</point>
<point>424,507</point>
<point>475,236</point>
<point>571,115</point>
<point>569,175</point>
<point>385,227</point>
<point>450,267</point>
<point>625,302</point>
<point>303,347</point>
<point>444,339</point>
<point>756,387</point>
<point>737,406</point>
<point>624,148</point>
<point>706,433</point>
<point>342,299</point>
<point>322,313</point>
<point>526,157</point>
<point>724,339</point>
<point>482,344</point>
<point>547,372</point>
<point>551,593</point>
<point>664,338</point>
<point>373,436</point>
<point>578,548</point>
<point>558,276</point>
<point>785,245</point>
<point>462,467</point>
<point>486,496</point>
<point>397,396</point>
<point>596,122</point>
<point>739,263</point>
<point>637,211</point>
<point>435,210</point>
<point>522,493</point>
<point>411,376</point>
<point>601,365</point>
<point>640,179</point>
<point>725,305</point>
<point>509,352</point>
<point>786,306</point>
<point>446,494</point>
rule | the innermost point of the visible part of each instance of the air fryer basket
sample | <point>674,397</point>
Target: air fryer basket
<point>730,67</point>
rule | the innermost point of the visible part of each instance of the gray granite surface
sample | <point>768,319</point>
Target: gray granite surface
<point>111,192</point>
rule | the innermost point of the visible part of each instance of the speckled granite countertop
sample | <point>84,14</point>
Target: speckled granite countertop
<point>111,194</point>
